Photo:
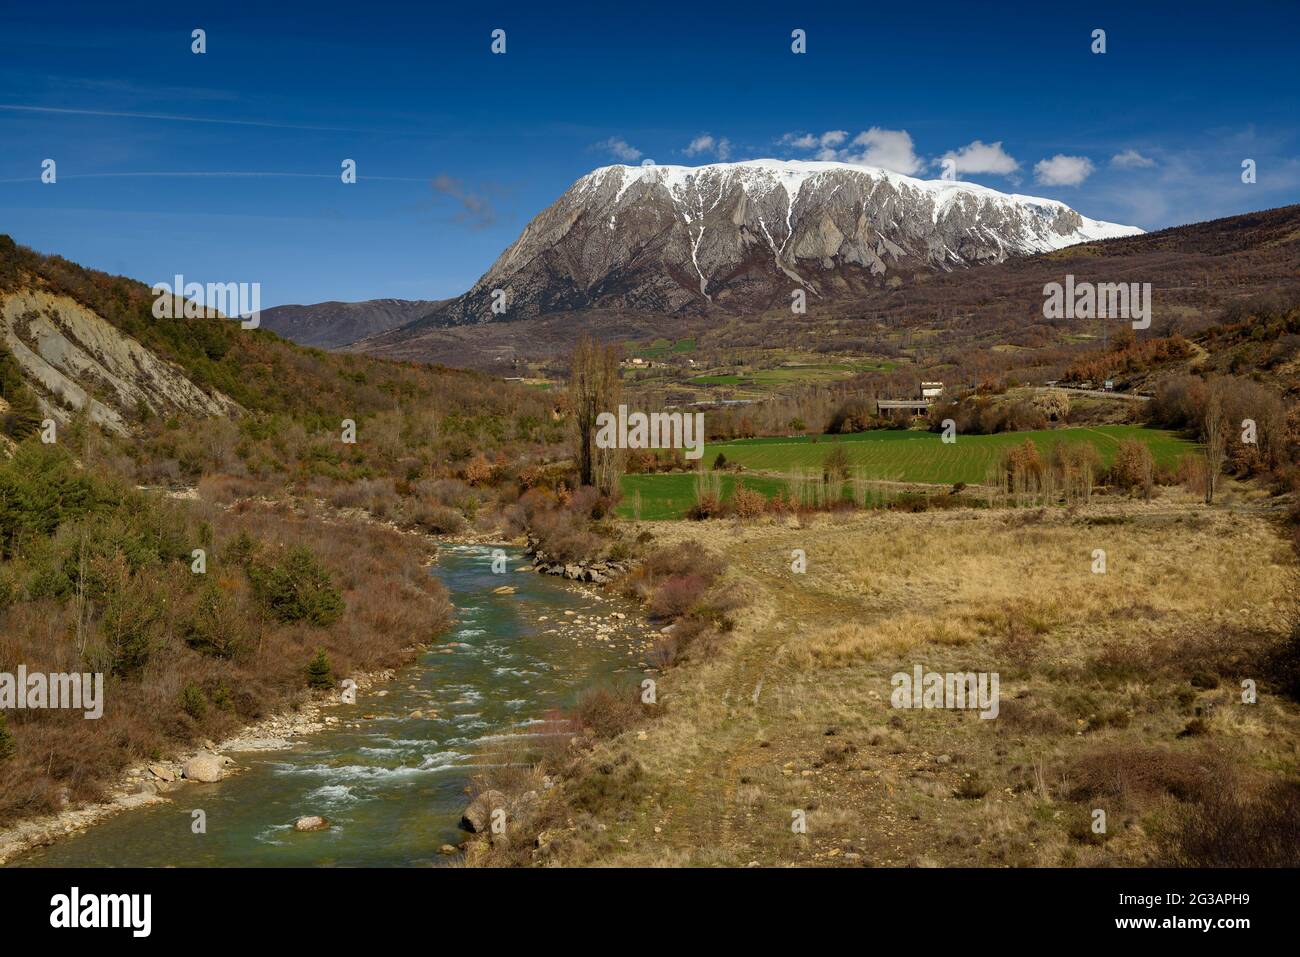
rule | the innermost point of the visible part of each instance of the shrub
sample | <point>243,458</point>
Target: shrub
<point>565,535</point>
<point>609,711</point>
<point>747,503</point>
<point>42,487</point>
<point>1133,467</point>
<point>708,496</point>
<point>479,471</point>
<point>215,627</point>
<point>134,614</point>
<point>1229,829</point>
<point>676,595</point>
<point>607,784</point>
<point>706,506</point>
<point>1129,775</point>
<point>241,549</point>
<point>9,589</point>
<point>193,703</point>
<point>7,746</point>
<point>320,676</point>
<point>23,415</point>
<point>437,519</point>
<point>297,588</point>
<point>835,467</point>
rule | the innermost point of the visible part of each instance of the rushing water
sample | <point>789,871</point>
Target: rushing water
<point>393,787</point>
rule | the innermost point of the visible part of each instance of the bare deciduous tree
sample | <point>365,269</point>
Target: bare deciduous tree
<point>1215,426</point>
<point>595,385</point>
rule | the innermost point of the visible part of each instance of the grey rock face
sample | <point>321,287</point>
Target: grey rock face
<point>677,239</point>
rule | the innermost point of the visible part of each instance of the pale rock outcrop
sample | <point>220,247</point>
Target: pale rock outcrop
<point>73,356</point>
<point>205,767</point>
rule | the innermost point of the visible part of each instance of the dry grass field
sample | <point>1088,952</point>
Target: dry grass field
<point>1119,692</point>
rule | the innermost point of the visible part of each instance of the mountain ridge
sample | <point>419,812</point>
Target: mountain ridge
<point>334,323</point>
<point>735,236</point>
<point>1195,269</point>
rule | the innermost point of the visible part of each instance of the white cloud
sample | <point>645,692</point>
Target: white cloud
<point>1131,159</point>
<point>1063,170</point>
<point>980,157</point>
<point>888,149</point>
<point>702,143</point>
<point>707,143</point>
<point>620,148</point>
<point>810,141</point>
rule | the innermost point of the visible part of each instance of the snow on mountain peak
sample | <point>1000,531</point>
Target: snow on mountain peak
<point>738,236</point>
<point>758,177</point>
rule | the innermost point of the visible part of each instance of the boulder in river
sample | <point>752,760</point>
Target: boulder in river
<point>205,767</point>
<point>311,822</point>
<point>478,815</point>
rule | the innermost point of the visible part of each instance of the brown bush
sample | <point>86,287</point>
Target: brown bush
<point>437,519</point>
<point>478,470</point>
<point>1231,829</point>
<point>607,711</point>
<point>1133,467</point>
<point>747,503</point>
<point>565,535</point>
<point>1131,775</point>
<point>676,595</point>
<point>706,506</point>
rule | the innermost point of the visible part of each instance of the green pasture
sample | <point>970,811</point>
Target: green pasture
<point>902,456</point>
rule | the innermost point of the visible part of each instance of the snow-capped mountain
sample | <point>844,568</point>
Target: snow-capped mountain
<point>679,239</point>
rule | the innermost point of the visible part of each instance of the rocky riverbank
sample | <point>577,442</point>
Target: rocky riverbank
<point>596,572</point>
<point>151,782</point>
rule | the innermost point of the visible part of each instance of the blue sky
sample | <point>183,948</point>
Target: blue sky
<point>458,148</point>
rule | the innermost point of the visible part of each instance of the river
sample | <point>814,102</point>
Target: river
<point>392,786</point>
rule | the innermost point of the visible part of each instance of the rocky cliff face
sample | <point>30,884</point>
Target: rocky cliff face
<point>678,240</point>
<point>75,359</point>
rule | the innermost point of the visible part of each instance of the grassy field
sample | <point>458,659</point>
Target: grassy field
<point>660,348</point>
<point>1119,692</point>
<point>715,380</point>
<point>910,456</point>
<point>669,495</point>
<point>795,373</point>
<point>916,457</point>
